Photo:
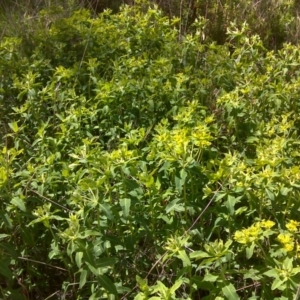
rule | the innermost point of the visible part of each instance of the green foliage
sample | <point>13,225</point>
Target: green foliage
<point>138,162</point>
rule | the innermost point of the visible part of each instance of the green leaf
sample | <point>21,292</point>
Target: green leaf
<point>230,203</point>
<point>210,277</point>
<point>78,259</point>
<point>277,283</point>
<point>173,206</point>
<point>252,139</point>
<point>3,175</point>
<point>88,233</point>
<point>10,249</point>
<point>205,285</point>
<point>4,269</point>
<point>249,250</point>
<point>106,209</point>
<point>220,196</point>
<point>180,181</point>
<point>272,273</point>
<point>105,262</point>
<point>252,274</point>
<point>199,254</point>
<point>160,287</point>
<point>82,280</point>
<point>197,280</point>
<point>14,127</point>
<point>230,292</point>
<point>169,221</point>
<point>142,283</point>
<point>140,296</point>
<point>3,236</point>
<point>183,175</point>
<point>131,184</point>
<point>176,286</point>
<point>55,250</point>
<point>125,203</point>
<point>6,219</point>
<point>93,269</point>
<point>87,183</point>
<point>94,296</point>
<point>107,284</point>
<point>288,264</point>
<point>295,271</point>
<point>19,203</point>
<point>270,194</point>
<point>284,191</point>
<point>184,258</point>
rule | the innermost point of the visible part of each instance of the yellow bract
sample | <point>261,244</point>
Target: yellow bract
<point>292,226</point>
<point>285,238</point>
<point>288,247</point>
<point>267,224</point>
<point>249,235</point>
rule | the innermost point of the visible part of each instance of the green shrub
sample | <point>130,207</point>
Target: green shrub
<point>140,163</point>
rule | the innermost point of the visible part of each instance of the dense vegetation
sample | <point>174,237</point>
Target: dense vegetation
<point>150,153</point>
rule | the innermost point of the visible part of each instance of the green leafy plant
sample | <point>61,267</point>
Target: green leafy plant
<point>141,160</point>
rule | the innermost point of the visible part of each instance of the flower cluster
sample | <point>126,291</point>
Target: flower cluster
<point>248,235</point>
<point>293,226</point>
<point>253,233</point>
<point>184,141</point>
<point>287,241</point>
<point>261,229</point>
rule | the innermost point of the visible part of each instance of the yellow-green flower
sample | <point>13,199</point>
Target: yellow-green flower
<point>292,226</point>
<point>254,230</point>
<point>241,237</point>
<point>201,136</point>
<point>298,250</point>
<point>248,235</point>
<point>289,247</point>
<point>267,224</point>
<point>285,238</point>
